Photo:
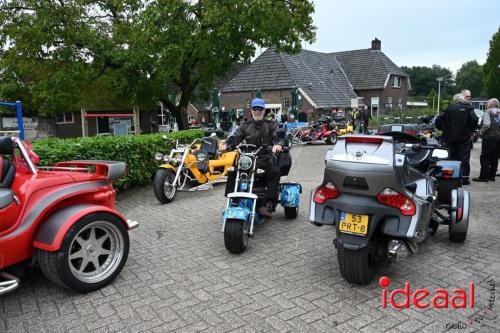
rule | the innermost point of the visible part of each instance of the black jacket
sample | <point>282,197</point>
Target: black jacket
<point>458,122</point>
<point>261,133</point>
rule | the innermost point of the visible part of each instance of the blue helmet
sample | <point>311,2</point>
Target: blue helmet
<point>258,102</point>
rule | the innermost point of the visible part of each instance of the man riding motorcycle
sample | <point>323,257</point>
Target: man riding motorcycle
<point>259,132</point>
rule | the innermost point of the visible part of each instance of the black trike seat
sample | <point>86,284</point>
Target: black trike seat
<point>7,169</point>
<point>210,146</point>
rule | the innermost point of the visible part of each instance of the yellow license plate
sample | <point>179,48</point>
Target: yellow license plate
<point>353,223</point>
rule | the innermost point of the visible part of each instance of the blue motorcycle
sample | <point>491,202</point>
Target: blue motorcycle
<point>240,215</point>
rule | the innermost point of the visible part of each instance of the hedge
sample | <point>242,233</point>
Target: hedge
<point>136,151</point>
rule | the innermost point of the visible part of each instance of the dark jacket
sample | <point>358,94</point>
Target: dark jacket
<point>261,133</point>
<point>365,116</point>
<point>458,122</point>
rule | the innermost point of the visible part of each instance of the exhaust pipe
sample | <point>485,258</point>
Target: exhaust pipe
<point>397,250</point>
<point>9,284</point>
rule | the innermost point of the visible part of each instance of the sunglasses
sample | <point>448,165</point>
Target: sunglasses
<point>258,108</point>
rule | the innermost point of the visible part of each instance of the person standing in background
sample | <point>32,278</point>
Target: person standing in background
<point>490,147</point>
<point>458,123</point>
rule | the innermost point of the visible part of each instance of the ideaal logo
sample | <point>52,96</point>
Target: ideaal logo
<point>422,298</point>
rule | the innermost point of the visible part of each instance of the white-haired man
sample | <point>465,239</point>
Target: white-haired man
<point>458,123</point>
<point>490,147</point>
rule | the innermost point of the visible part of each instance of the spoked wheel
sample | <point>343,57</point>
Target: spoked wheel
<point>163,186</point>
<point>331,139</point>
<point>291,212</point>
<point>92,254</point>
<point>236,234</point>
<point>357,266</point>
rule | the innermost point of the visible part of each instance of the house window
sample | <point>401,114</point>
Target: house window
<point>163,115</point>
<point>102,125</point>
<point>248,103</point>
<point>286,103</point>
<point>400,102</point>
<point>64,118</point>
<point>396,83</point>
<point>389,103</point>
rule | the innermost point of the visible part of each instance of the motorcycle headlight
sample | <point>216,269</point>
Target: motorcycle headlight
<point>158,156</point>
<point>245,163</point>
<point>201,157</point>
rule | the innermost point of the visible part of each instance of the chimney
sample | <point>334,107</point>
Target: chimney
<point>376,44</point>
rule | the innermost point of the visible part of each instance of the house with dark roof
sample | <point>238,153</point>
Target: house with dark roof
<point>326,82</point>
<point>199,110</point>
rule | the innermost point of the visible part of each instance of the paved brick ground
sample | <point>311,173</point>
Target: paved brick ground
<point>179,276</point>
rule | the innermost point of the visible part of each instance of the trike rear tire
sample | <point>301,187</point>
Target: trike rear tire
<point>107,243</point>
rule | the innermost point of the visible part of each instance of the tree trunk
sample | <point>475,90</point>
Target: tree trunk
<point>181,117</point>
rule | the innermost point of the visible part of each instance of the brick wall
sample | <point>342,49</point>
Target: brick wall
<point>69,130</point>
<point>383,95</point>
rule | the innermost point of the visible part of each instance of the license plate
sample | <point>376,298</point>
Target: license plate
<point>353,223</point>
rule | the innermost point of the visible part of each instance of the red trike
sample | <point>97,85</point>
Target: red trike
<point>323,132</point>
<point>62,218</point>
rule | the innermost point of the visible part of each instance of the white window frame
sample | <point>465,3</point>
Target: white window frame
<point>400,102</point>
<point>286,103</point>
<point>65,115</point>
<point>389,102</point>
<point>396,82</point>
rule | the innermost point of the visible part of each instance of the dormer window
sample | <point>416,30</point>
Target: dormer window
<point>396,83</point>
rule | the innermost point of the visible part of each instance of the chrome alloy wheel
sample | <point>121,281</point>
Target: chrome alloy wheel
<point>96,252</point>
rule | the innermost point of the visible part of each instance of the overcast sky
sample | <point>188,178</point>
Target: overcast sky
<point>413,32</point>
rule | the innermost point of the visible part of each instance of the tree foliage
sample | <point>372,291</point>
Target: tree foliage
<point>470,76</point>
<point>492,67</point>
<point>52,50</point>
<point>423,79</point>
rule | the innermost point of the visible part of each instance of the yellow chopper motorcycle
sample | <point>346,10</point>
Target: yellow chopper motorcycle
<point>193,167</point>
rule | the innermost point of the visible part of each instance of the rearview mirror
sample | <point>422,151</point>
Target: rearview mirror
<point>440,154</point>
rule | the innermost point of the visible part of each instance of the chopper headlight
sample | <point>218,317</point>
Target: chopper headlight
<point>245,163</point>
<point>201,157</point>
<point>158,156</point>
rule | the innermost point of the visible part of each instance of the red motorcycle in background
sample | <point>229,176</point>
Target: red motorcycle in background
<point>62,218</point>
<point>322,132</point>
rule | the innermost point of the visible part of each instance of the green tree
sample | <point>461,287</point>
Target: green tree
<point>470,76</point>
<point>147,51</point>
<point>423,79</point>
<point>492,67</point>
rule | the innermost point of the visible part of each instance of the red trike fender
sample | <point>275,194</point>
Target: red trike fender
<point>53,229</point>
<point>329,132</point>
